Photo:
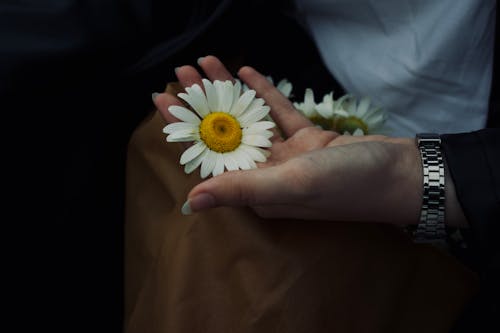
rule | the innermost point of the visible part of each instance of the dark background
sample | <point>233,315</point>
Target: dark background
<point>76,78</point>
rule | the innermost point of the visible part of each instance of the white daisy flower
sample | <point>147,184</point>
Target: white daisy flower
<point>225,127</point>
<point>320,114</point>
<point>358,117</point>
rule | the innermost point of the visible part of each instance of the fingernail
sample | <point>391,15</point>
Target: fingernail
<point>186,208</point>
<point>153,96</point>
<point>199,202</point>
<point>176,69</point>
<point>200,59</point>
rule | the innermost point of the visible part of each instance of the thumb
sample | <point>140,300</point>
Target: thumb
<point>236,188</point>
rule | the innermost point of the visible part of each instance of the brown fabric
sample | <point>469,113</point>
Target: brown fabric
<point>228,270</point>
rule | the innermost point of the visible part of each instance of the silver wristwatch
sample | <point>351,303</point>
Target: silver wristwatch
<point>431,227</point>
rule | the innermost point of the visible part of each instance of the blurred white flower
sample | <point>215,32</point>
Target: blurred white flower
<point>358,117</point>
<point>345,115</point>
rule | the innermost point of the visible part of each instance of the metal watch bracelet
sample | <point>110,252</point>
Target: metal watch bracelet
<point>431,227</point>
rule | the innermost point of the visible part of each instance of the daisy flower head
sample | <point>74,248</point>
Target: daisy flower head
<point>225,125</point>
<point>358,117</point>
<point>320,114</point>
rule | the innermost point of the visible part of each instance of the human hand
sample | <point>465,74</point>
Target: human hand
<point>311,173</point>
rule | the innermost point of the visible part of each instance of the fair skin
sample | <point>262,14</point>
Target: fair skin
<point>313,174</point>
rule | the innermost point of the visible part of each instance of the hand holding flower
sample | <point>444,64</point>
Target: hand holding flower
<point>312,173</point>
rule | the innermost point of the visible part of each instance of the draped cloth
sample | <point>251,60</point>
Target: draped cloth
<point>227,270</point>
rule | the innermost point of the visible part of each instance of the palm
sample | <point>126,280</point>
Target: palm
<point>304,140</point>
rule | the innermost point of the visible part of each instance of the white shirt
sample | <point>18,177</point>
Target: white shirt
<point>427,62</point>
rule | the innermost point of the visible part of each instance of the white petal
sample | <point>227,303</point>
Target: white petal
<point>256,140</point>
<point>213,101</point>
<point>254,115</point>
<point>184,114</point>
<point>256,103</point>
<point>285,87</point>
<point>267,134</point>
<point>328,98</point>
<point>373,112</point>
<point>308,107</point>
<point>264,152</point>
<point>242,103</point>
<point>258,127</point>
<point>375,119</point>
<point>268,118</point>
<point>193,164</point>
<point>224,95</point>
<point>339,104</point>
<point>254,153</point>
<point>341,113</point>
<point>183,136</point>
<point>179,126</point>
<point>244,87</point>
<point>192,152</point>
<point>219,165</point>
<point>236,90</point>
<point>208,164</point>
<point>363,106</point>
<point>309,99</point>
<point>230,162</point>
<point>300,108</point>
<point>251,162</point>
<point>358,132</point>
<point>351,109</point>
<point>196,98</point>
<point>324,110</point>
<point>241,158</point>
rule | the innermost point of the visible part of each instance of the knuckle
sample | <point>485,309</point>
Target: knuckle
<point>243,192</point>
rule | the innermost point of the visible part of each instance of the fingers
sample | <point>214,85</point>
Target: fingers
<point>282,111</point>
<point>163,102</point>
<point>237,188</point>
<point>188,76</point>
<point>214,69</point>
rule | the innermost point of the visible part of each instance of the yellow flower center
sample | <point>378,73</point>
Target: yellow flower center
<point>350,124</point>
<point>221,132</point>
<point>325,123</point>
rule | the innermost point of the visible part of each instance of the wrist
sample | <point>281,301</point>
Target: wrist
<point>440,205</point>
<point>408,189</point>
